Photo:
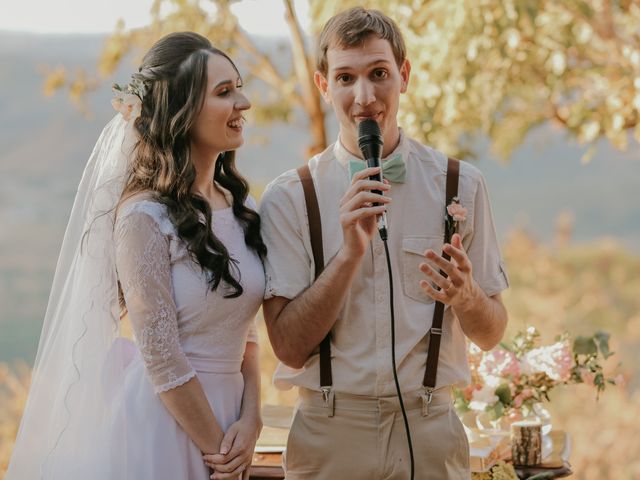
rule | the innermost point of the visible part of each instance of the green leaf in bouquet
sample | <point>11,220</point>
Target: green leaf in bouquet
<point>585,346</point>
<point>503,392</point>
<point>598,381</point>
<point>602,338</point>
<point>495,411</point>
<point>459,401</point>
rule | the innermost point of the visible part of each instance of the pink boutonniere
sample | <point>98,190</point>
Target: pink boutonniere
<point>455,213</point>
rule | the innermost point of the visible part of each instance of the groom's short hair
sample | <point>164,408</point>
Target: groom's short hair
<point>352,27</point>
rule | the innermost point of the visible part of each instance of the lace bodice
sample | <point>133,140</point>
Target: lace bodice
<point>174,314</point>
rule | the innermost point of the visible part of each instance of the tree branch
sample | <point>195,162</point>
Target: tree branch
<point>304,72</point>
<point>263,68</point>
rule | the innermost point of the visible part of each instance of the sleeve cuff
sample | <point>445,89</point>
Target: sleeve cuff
<point>497,284</point>
<point>289,291</point>
<point>175,383</point>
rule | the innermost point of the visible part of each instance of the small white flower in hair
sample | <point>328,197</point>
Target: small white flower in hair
<point>128,99</point>
<point>128,104</point>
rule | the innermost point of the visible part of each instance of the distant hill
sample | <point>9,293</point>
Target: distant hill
<point>45,142</point>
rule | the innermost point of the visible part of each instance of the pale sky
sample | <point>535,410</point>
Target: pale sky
<point>262,17</point>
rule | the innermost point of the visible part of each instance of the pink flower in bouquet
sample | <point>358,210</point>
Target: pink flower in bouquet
<point>457,211</point>
<point>501,363</point>
<point>519,399</point>
<point>619,380</point>
<point>555,360</point>
<point>468,391</point>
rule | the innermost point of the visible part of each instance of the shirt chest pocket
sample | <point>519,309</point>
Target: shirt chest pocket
<point>413,249</point>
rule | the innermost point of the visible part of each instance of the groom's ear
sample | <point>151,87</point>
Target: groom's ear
<point>405,72</point>
<point>321,82</point>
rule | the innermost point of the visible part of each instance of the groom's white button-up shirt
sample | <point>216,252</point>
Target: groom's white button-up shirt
<point>361,336</point>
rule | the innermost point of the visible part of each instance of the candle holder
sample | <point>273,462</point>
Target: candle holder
<point>526,443</point>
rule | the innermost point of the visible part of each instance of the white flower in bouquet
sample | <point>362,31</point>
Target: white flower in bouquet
<point>554,360</point>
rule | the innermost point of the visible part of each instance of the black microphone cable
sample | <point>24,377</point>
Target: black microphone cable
<point>370,143</point>
<point>384,236</point>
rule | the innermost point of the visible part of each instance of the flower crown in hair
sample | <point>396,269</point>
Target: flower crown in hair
<point>128,98</point>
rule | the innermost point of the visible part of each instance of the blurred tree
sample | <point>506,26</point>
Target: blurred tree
<point>214,19</point>
<point>492,67</point>
<point>501,67</point>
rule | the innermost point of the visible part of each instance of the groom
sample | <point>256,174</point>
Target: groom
<point>348,424</point>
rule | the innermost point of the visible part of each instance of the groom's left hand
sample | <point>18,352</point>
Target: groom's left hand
<point>236,450</point>
<point>458,288</point>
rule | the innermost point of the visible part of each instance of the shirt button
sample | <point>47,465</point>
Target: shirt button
<point>378,250</point>
<point>380,298</point>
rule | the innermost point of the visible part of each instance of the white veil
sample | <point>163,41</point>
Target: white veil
<point>79,356</point>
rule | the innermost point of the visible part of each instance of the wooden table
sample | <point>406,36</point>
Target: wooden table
<point>560,472</point>
<point>268,466</point>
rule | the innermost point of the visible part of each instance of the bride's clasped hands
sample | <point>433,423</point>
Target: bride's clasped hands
<point>236,449</point>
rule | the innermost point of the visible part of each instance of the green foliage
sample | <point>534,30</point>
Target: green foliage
<point>502,67</point>
<point>495,411</point>
<point>212,19</point>
<point>503,392</point>
<point>602,339</point>
<point>460,403</point>
<point>524,341</point>
<point>495,68</point>
<point>585,346</point>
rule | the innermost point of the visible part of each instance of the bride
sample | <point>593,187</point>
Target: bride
<point>163,231</point>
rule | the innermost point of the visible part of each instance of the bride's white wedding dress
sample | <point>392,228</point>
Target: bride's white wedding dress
<point>182,329</point>
<point>94,410</point>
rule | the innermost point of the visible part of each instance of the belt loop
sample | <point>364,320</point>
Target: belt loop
<point>329,400</point>
<point>426,396</point>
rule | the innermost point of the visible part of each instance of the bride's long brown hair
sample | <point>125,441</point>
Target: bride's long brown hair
<point>175,74</point>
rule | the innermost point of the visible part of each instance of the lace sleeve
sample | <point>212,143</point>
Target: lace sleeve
<point>144,271</point>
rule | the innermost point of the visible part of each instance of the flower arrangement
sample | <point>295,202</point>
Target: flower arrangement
<point>513,378</point>
<point>128,98</point>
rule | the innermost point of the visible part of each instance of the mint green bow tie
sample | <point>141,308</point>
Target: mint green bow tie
<point>393,169</point>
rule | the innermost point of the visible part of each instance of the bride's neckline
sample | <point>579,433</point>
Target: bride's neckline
<point>222,210</point>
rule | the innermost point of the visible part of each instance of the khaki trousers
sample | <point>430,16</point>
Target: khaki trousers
<point>365,439</point>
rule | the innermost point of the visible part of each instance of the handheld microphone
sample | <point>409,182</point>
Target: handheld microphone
<point>370,144</point>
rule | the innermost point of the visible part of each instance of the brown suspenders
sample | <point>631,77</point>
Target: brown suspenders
<point>435,333</point>
<point>315,231</point>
